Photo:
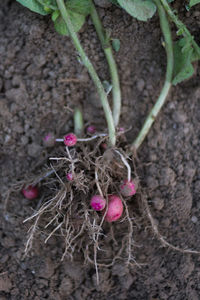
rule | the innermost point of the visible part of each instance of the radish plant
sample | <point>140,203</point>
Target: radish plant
<point>180,54</point>
<point>97,165</point>
<point>82,168</point>
<point>68,18</point>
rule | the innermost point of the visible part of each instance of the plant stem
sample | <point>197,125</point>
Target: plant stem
<point>78,122</point>
<point>180,25</point>
<point>116,92</point>
<point>168,78</point>
<point>91,70</point>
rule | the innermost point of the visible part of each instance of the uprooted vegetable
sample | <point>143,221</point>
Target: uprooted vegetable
<point>98,164</point>
<point>98,203</point>
<point>115,208</point>
<point>30,192</point>
<point>128,188</point>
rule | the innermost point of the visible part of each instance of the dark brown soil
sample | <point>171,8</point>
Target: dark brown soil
<point>37,91</point>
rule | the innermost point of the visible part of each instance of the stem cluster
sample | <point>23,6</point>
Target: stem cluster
<point>112,116</point>
<point>164,24</point>
<point>91,70</point>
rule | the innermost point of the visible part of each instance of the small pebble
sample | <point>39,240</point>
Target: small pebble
<point>158,203</point>
<point>194,219</point>
<point>140,85</point>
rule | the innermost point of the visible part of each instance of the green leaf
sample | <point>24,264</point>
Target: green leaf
<point>195,56</point>
<point>116,44</point>
<point>51,2</point>
<point>79,6</point>
<point>49,5</point>
<point>180,31</point>
<point>184,55</point>
<point>193,2</point>
<point>76,19</point>
<point>55,15</point>
<point>33,5</point>
<point>139,9</point>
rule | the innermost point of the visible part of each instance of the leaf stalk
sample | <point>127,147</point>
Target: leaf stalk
<point>168,79</point>
<point>105,43</point>
<point>91,70</point>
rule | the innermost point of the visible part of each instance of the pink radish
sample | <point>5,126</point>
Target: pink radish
<point>49,140</point>
<point>98,202</point>
<point>115,208</point>
<point>104,146</point>
<point>31,192</point>
<point>91,129</point>
<point>70,139</point>
<point>128,188</point>
<point>69,176</point>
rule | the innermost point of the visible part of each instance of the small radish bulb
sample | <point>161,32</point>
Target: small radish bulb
<point>115,208</point>
<point>98,202</point>
<point>128,188</point>
<point>91,129</point>
<point>70,139</point>
<point>104,146</point>
<point>49,140</point>
<point>31,192</point>
<point>69,176</point>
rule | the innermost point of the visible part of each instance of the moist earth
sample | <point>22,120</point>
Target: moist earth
<point>41,81</point>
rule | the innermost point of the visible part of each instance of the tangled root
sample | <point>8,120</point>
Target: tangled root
<point>66,211</point>
<point>159,235</point>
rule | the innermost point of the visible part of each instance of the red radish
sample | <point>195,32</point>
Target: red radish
<point>91,129</point>
<point>49,140</point>
<point>104,146</point>
<point>115,208</point>
<point>70,139</point>
<point>98,202</point>
<point>128,188</point>
<point>69,176</point>
<point>31,192</point>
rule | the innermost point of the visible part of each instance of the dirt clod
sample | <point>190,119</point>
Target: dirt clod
<point>5,283</point>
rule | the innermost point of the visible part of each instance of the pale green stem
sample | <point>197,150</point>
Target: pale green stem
<point>116,92</point>
<point>168,78</point>
<point>78,122</point>
<point>91,70</point>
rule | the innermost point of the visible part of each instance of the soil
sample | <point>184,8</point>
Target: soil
<point>41,81</point>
